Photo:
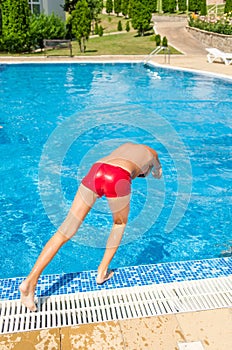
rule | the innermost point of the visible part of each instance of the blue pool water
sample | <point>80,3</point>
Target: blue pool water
<point>59,118</point>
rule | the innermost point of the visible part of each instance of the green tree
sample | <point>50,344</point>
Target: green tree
<point>172,6</point>
<point>81,23</point>
<point>95,7</point>
<point>141,16</point>
<point>69,5</point>
<point>130,8</point>
<point>15,25</point>
<point>182,5</point>
<point>109,6</point>
<point>194,6</point>
<point>228,6</point>
<point>152,5</point>
<point>117,6</point>
<point>203,8</point>
<point>0,17</point>
<point>165,6</point>
<point>125,7</point>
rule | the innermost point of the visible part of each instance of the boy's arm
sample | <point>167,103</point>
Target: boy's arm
<point>157,171</point>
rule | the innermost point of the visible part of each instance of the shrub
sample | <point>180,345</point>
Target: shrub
<point>119,26</point>
<point>46,27</point>
<point>127,26</point>
<point>100,31</point>
<point>165,42</point>
<point>221,25</point>
<point>158,40</point>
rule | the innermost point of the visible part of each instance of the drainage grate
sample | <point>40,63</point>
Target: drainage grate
<point>117,304</point>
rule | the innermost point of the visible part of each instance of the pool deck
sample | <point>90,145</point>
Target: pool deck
<point>210,329</point>
<point>175,326</point>
<point>196,63</point>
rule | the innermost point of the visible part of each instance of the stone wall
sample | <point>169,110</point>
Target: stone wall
<point>219,41</point>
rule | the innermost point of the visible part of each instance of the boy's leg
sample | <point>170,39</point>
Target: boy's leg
<point>120,210</point>
<point>82,203</point>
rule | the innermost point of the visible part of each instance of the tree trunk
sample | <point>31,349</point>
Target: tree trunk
<point>80,44</point>
<point>84,46</point>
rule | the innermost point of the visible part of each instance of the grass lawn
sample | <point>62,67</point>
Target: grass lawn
<point>110,23</point>
<point>112,42</point>
<point>116,44</point>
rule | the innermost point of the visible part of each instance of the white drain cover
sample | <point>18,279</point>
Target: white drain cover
<point>118,304</point>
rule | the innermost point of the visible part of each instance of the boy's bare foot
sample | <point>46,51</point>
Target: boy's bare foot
<point>27,295</point>
<point>102,277</point>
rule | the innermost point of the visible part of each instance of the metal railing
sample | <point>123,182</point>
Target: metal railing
<point>213,10</point>
<point>157,50</point>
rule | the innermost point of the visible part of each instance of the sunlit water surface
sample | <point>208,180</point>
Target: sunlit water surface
<point>59,118</point>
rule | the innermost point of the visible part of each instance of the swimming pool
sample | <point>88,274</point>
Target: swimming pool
<point>58,118</point>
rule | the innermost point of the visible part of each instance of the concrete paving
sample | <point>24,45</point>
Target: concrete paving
<point>207,330</point>
<point>175,31</point>
<point>194,54</point>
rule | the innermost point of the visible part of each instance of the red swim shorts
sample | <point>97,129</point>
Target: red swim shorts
<point>109,180</point>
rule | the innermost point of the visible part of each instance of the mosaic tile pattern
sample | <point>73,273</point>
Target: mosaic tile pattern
<point>123,277</point>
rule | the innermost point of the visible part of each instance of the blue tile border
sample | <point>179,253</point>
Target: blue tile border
<point>123,277</point>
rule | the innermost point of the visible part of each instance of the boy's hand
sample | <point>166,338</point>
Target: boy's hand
<point>157,173</point>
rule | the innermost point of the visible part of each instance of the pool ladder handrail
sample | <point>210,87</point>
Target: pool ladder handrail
<point>156,51</point>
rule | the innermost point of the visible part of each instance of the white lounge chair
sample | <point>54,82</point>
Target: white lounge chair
<point>215,54</point>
